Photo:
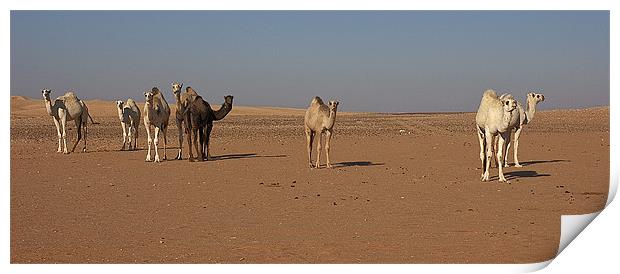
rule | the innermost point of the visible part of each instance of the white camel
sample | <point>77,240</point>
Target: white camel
<point>129,115</point>
<point>525,117</point>
<point>319,119</point>
<point>496,116</point>
<point>156,114</point>
<point>67,108</point>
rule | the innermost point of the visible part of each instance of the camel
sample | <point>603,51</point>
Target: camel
<point>496,116</point>
<point>129,115</point>
<point>199,117</point>
<point>319,119</point>
<point>156,114</point>
<point>67,108</point>
<point>525,118</point>
<point>180,98</point>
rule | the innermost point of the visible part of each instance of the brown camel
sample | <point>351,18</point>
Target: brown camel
<point>199,117</point>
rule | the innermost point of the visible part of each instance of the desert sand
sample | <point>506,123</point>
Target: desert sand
<point>405,188</point>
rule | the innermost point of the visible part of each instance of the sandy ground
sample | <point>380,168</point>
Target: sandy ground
<point>410,196</point>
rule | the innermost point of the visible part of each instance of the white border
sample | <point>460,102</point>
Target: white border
<point>600,246</point>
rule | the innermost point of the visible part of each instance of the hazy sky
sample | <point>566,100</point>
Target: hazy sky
<point>369,61</point>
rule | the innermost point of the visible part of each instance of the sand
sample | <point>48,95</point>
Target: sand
<point>404,189</point>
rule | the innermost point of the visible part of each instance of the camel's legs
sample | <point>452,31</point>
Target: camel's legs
<point>78,127</point>
<point>516,147</point>
<point>155,142</point>
<point>59,135</point>
<point>495,140</point>
<point>150,141</point>
<point>489,146</point>
<point>482,148</point>
<point>318,149</point>
<point>506,151</point>
<point>309,139</point>
<point>189,145</point>
<point>130,138</point>
<point>203,141</point>
<point>180,128</point>
<point>85,126</point>
<point>208,129</point>
<point>165,130</point>
<point>137,129</point>
<point>124,135</point>
<point>196,143</point>
<point>506,155</point>
<point>63,122</point>
<point>504,138</point>
<point>328,138</point>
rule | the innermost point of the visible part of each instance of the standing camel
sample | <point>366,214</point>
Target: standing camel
<point>156,114</point>
<point>67,108</point>
<point>496,116</point>
<point>180,97</point>
<point>525,117</point>
<point>199,117</point>
<point>129,115</point>
<point>319,119</point>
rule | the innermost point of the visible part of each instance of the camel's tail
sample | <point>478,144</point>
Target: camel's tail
<point>92,121</point>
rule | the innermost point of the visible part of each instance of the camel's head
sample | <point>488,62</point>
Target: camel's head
<point>333,105</point>
<point>46,93</point>
<point>148,96</point>
<point>509,103</point>
<point>535,97</point>
<point>176,88</point>
<point>228,99</point>
<point>120,104</point>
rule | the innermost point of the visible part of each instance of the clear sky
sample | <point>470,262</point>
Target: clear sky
<point>388,61</point>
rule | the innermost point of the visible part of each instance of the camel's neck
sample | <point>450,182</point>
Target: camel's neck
<point>148,108</point>
<point>331,119</point>
<point>507,118</point>
<point>222,112</point>
<point>530,112</point>
<point>177,97</point>
<point>48,106</point>
<point>120,112</point>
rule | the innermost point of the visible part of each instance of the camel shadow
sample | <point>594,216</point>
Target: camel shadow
<point>244,156</point>
<point>524,173</point>
<point>357,163</point>
<point>541,162</point>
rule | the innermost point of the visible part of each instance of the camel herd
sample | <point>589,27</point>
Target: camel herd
<point>496,119</point>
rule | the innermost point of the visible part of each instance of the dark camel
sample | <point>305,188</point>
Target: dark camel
<point>199,117</point>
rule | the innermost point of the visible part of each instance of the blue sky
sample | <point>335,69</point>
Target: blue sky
<point>399,61</point>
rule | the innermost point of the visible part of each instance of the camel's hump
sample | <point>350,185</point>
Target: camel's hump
<point>317,101</point>
<point>490,93</point>
<point>130,103</point>
<point>70,96</point>
<point>190,91</point>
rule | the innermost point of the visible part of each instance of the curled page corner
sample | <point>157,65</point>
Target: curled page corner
<point>533,267</point>
<point>572,225</point>
<point>613,185</point>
